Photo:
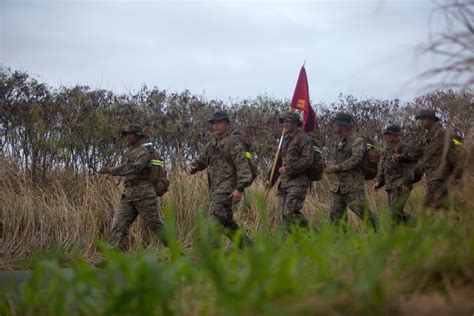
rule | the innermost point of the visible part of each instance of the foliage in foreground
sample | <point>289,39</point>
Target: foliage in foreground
<point>333,270</point>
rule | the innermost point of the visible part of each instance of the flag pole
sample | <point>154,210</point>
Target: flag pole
<point>275,161</point>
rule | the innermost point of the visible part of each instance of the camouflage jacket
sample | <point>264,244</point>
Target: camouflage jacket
<point>136,170</point>
<point>394,174</point>
<point>225,174</point>
<point>438,154</point>
<point>347,156</point>
<point>296,155</point>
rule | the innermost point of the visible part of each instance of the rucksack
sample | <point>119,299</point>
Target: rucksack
<point>371,161</point>
<point>158,171</point>
<point>248,148</point>
<point>316,167</point>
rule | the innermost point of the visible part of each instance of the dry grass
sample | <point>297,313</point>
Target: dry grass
<point>69,213</point>
<point>331,271</point>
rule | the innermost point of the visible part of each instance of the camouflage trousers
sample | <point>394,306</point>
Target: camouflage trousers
<point>436,193</point>
<point>291,201</point>
<point>127,213</point>
<point>396,203</point>
<point>355,201</point>
<point>220,208</point>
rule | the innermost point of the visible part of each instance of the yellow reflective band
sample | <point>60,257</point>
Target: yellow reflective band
<point>370,146</point>
<point>456,142</point>
<point>248,155</point>
<point>317,149</point>
<point>156,162</point>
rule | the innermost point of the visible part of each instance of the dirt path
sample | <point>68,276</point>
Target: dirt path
<point>460,301</point>
<point>14,278</point>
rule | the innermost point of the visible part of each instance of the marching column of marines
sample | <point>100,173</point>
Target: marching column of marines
<point>229,172</point>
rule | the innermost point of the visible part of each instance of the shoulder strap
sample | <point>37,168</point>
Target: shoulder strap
<point>350,140</point>
<point>296,140</point>
<point>227,143</point>
<point>140,152</point>
<point>385,155</point>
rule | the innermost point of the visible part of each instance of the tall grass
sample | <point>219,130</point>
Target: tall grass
<point>68,214</point>
<point>330,270</point>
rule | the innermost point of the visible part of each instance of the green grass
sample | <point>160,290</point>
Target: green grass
<point>61,254</point>
<point>335,270</point>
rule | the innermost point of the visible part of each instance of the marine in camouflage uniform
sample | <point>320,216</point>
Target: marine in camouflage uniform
<point>295,159</point>
<point>396,172</point>
<point>139,196</point>
<point>437,160</point>
<point>229,173</point>
<point>346,179</point>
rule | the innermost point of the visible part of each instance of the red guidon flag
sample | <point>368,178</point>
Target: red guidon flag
<point>300,101</point>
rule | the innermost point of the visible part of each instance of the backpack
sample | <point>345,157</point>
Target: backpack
<point>248,148</point>
<point>158,172</point>
<point>316,167</point>
<point>456,160</point>
<point>371,161</point>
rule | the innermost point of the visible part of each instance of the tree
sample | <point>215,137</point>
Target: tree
<point>455,45</point>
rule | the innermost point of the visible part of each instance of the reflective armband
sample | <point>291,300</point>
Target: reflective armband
<point>156,162</point>
<point>317,149</point>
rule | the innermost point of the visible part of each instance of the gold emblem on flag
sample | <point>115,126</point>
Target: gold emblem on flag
<point>300,104</point>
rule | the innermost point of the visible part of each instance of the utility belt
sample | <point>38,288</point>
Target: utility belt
<point>133,182</point>
<point>296,175</point>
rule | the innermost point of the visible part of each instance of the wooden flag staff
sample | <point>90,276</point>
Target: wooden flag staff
<point>275,162</point>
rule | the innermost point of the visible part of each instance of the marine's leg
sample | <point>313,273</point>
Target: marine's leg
<point>337,207</point>
<point>221,209</point>
<point>281,200</point>
<point>293,204</point>
<point>123,218</point>
<point>397,199</point>
<point>148,210</point>
<point>357,202</point>
<point>436,194</point>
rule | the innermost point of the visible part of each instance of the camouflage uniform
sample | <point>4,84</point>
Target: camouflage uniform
<point>138,197</point>
<point>436,162</point>
<point>225,174</point>
<point>346,185</point>
<point>296,155</point>
<point>396,175</point>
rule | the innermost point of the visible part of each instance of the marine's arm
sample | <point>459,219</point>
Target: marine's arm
<point>381,176</point>
<point>358,151</point>
<point>304,160</point>
<point>242,166</point>
<point>408,154</point>
<point>200,162</point>
<point>130,167</point>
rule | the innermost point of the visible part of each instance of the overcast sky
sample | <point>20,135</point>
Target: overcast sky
<point>221,49</point>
